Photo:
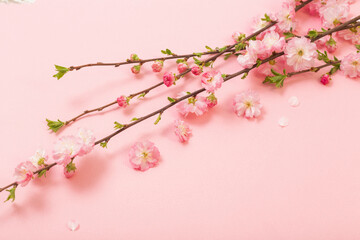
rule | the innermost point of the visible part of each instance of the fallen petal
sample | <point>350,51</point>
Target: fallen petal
<point>283,122</point>
<point>73,225</point>
<point>294,101</point>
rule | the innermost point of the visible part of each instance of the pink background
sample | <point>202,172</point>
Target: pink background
<point>235,179</point>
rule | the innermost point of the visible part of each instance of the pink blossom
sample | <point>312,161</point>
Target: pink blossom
<point>182,67</point>
<point>169,79</point>
<point>66,148</point>
<point>136,69</point>
<point>272,42</point>
<point>134,57</point>
<point>196,70</point>
<point>211,101</point>
<point>300,53</point>
<point>325,79</point>
<point>247,104</point>
<point>196,105</point>
<point>88,141</point>
<point>258,24</point>
<point>39,158</point>
<point>253,50</point>
<point>68,174</point>
<point>144,155</point>
<point>350,65</point>
<point>286,16</point>
<point>24,173</point>
<point>211,80</point>
<point>157,65</point>
<point>182,130</point>
<point>352,35</point>
<point>247,60</point>
<point>314,7</point>
<point>122,101</point>
<point>334,12</point>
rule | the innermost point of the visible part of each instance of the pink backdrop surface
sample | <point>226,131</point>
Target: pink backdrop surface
<point>235,179</point>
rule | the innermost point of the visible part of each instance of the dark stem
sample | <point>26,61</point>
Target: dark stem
<point>313,69</point>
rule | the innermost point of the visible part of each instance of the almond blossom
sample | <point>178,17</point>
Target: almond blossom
<point>286,16</point>
<point>300,53</point>
<point>196,105</point>
<point>247,104</point>
<point>182,130</point>
<point>272,42</point>
<point>182,67</point>
<point>334,12</point>
<point>88,141</point>
<point>157,65</point>
<point>211,80</point>
<point>196,70</point>
<point>66,148</point>
<point>352,35</point>
<point>169,79</point>
<point>24,173</point>
<point>350,65</point>
<point>211,100</point>
<point>122,101</point>
<point>144,155</point>
<point>39,158</point>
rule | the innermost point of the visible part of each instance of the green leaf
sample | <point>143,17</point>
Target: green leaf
<point>226,56</point>
<point>42,173</point>
<point>244,75</point>
<point>11,194</point>
<point>266,18</point>
<point>207,64</point>
<point>240,46</point>
<point>118,125</point>
<point>209,48</point>
<point>134,119</point>
<point>222,49</point>
<point>54,125</point>
<point>104,144</point>
<point>357,47</point>
<point>277,79</point>
<point>335,68</point>
<point>167,52</point>
<point>71,167</point>
<point>288,35</point>
<point>197,61</point>
<point>198,54</point>
<point>180,60</point>
<point>171,99</point>
<point>142,95</point>
<point>323,56</point>
<point>258,63</point>
<point>224,75</point>
<point>313,34</point>
<point>60,71</point>
<point>158,119</point>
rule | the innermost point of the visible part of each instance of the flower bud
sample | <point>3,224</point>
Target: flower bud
<point>196,70</point>
<point>157,65</point>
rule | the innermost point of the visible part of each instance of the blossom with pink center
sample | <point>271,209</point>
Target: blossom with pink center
<point>157,65</point>
<point>352,35</point>
<point>272,42</point>
<point>211,80</point>
<point>169,79</point>
<point>286,16</point>
<point>350,65</point>
<point>66,148</point>
<point>300,53</point>
<point>136,69</point>
<point>144,155</point>
<point>39,158</point>
<point>334,12</point>
<point>254,50</point>
<point>88,141</point>
<point>247,60</point>
<point>196,105</point>
<point>182,130</point>
<point>259,23</point>
<point>182,67</point>
<point>325,79</point>
<point>24,173</point>
<point>196,70</point>
<point>122,101</point>
<point>247,104</point>
<point>211,101</point>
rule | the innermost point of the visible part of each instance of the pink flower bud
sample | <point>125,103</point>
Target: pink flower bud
<point>68,174</point>
<point>211,101</point>
<point>325,79</point>
<point>196,70</point>
<point>169,79</point>
<point>182,67</point>
<point>134,57</point>
<point>122,101</point>
<point>135,69</point>
<point>157,65</point>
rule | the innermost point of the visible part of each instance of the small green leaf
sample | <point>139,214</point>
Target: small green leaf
<point>142,95</point>
<point>42,173</point>
<point>226,56</point>
<point>323,56</point>
<point>244,75</point>
<point>171,99</point>
<point>224,75</point>
<point>118,125</point>
<point>71,167</point>
<point>277,79</point>
<point>134,119</point>
<point>198,54</point>
<point>180,60</point>
<point>54,125</point>
<point>158,119</point>
<point>11,194</point>
<point>266,18</point>
<point>209,48</point>
<point>167,52</point>
<point>313,34</point>
<point>258,63</point>
<point>240,46</point>
<point>288,35</point>
<point>60,71</point>
<point>197,61</point>
<point>207,64</point>
<point>222,49</point>
<point>104,144</point>
<point>357,47</point>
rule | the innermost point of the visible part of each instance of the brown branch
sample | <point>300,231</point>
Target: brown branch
<point>313,69</point>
